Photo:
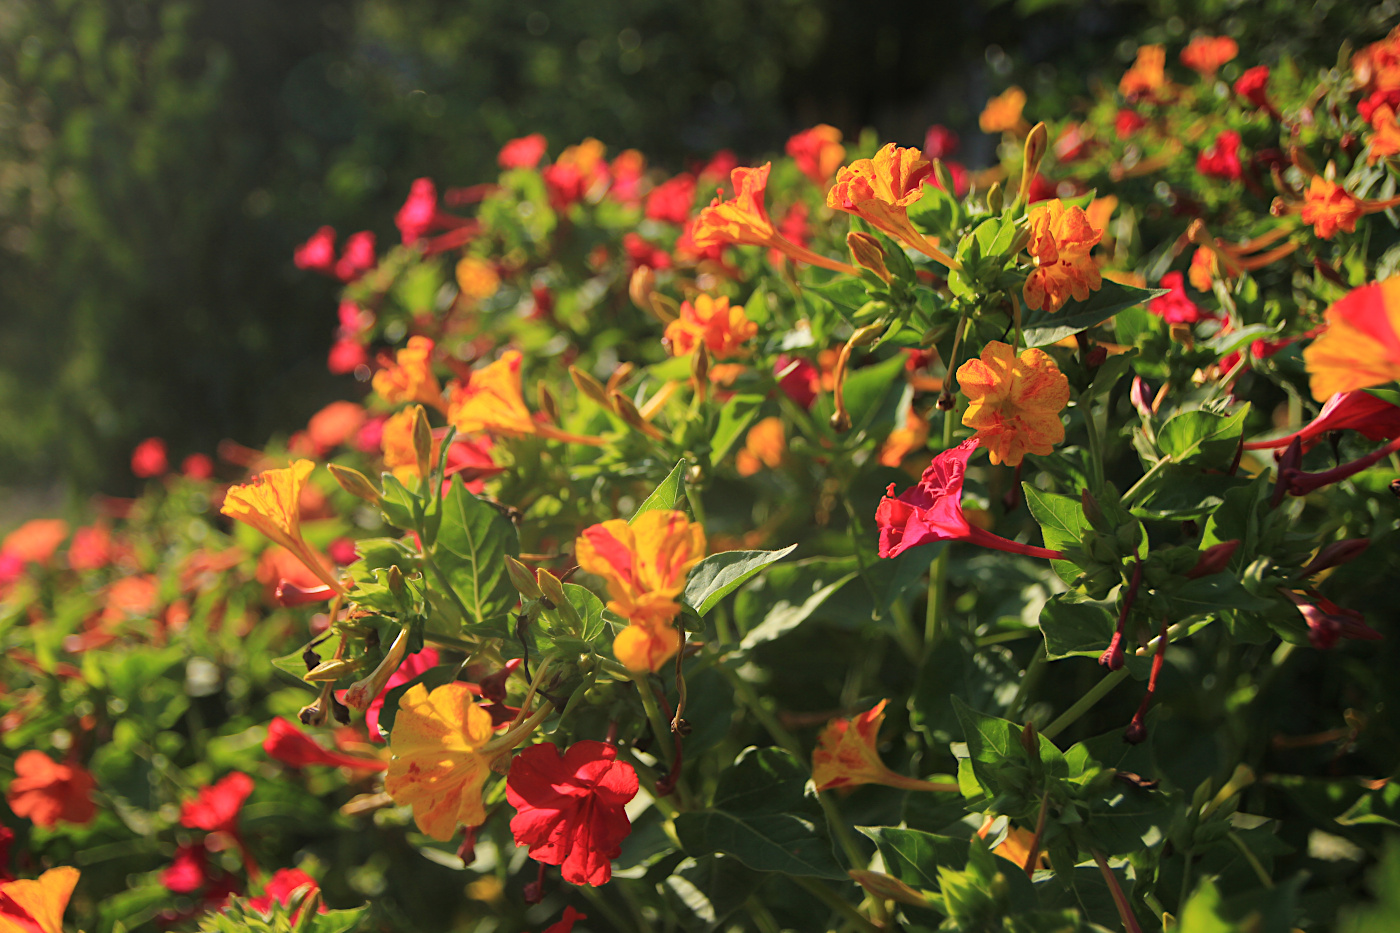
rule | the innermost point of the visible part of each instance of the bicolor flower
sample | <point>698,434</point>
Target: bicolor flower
<point>37,906</point>
<point>1015,401</point>
<point>1329,208</point>
<point>846,755</point>
<point>271,503</point>
<point>1373,418</point>
<point>644,564</point>
<point>439,766</point>
<point>1060,240</point>
<point>1361,346</point>
<point>880,190</point>
<point>570,807</point>
<point>931,510</point>
<point>722,328</point>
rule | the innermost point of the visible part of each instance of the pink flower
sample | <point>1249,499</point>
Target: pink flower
<point>197,466</point>
<point>346,356</point>
<point>318,253</point>
<point>418,216</point>
<point>1357,410</point>
<point>799,380</point>
<point>1175,307</point>
<point>149,459</point>
<point>358,257</point>
<point>1328,622</point>
<point>524,152</point>
<point>940,142</point>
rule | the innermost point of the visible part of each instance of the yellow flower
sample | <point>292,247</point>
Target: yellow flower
<point>439,766</point>
<point>1329,208</point>
<point>477,278</point>
<point>410,378</point>
<point>644,564</point>
<point>764,446</point>
<point>27,906</point>
<point>1003,112</point>
<point>1148,74</point>
<point>711,321</point>
<point>1361,346</point>
<point>1015,402</point>
<point>400,457</point>
<point>492,400</point>
<point>880,190</point>
<point>271,503</point>
<point>1061,238</point>
<point>846,756</point>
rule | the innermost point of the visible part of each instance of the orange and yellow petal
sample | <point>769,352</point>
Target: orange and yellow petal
<point>1060,240</point>
<point>1361,346</point>
<point>1329,208</point>
<point>1015,402</point>
<point>1003,112</point>
<point>741,220</point>
<point>42,901</point>
<point>438,767</point>
<point>410,378</point>
<point>492,400</point>
<point>271,503</point>
<point>646,646</point>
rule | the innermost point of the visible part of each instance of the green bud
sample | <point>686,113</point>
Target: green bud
<point>522,578</point>
<point>354,482</point>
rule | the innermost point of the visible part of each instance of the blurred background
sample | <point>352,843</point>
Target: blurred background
<point>160,159</point>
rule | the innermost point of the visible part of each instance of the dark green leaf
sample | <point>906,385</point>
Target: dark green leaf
<point>1211,594</point>
<point>1042,329</point>
<point>720,574</point>
<point>1073,627</point>
<point>914,857</point>
<point>867,388</point>
<point>478,538</point>
<point>789,595</point>
<point>1212,437</point>
<point>764,842</point>
<point>1062,523</point>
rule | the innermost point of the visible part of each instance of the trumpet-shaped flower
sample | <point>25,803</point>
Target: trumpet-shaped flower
<point>271,503</point>
<point>712,322</point>
<point>1361,346</point>
<point>1205,54</point>
<point>288,744</point>
<point>410,377</point>
<point>1060,240</point>
<point>1373,418</point>
<point>880,190</point>
<point>49,793</point>
<point>644,564</point>
<point>1003,112</point>
<point>570,807</point>
<point>37,906</point>
<point>932,511</point>
<point>818,152</point>
<point>439,765</point>
<point>491,400</point>
<point>1015,401</point>
<point>1385,135</point>
<point>846,755</point>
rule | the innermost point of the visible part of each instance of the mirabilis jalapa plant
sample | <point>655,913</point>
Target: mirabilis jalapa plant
<point>646,625</point>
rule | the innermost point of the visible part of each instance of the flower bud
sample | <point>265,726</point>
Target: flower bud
<point>590,387</point>
<point>944,178</point>
<point>493,686</point>
<point>1214,559</point>
<point>1037,141</point>
<point>362,693</point>
<point>1091,509</point>
<point>628,412</point>
<point>522,578</point>
<point>550,587</point>
<point>1335,554</point>
<point>640,288</point>
<point>332,670</point>
<point>547,403</point>
<point>1142,398</point>
<point>866,253</point>
<point>354,482</point>
<point>422,441</point>
<point>700,370</point>
<point>996,198</point>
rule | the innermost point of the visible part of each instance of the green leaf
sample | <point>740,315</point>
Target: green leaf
<point>764,842</point>
<point>761,780</point>
<point>734,417</point>
<point>1062,523</point>
<point>479,537</point>
<point>867,388</point>
<point>1202,912</point>
<point>589,608</point>
<point>668,495</point>
<point>712,887</point>
<point>397,503</point>
<point>790,594</point>
<point>913,856</point>
<point>1211,594</point>
<point>1384,882</point>
<point>720,574</point>
<point>1200,433</point>
<point>1073,627</point>
<point>1041,328</point>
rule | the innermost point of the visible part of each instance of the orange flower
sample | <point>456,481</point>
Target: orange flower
<point>880,190</point>
<point>846,756</point>
<point>1361,346</point>
<point>1015,402</point>
<point>133,597</point>
<point>271,503</point>
<point>37,906</point>
<point>410,378</point>
<point>1206,54</point>
<point>904,441</point>
<point>492,400</point>
<point>35,541</point>
<point>439,765</point>
<point>711,321</point>
<point>1148,74</point>
<point>1330,208</point>
<point>335,424</point>
<point>1377,66</point>
<point>1003,112</point>
<point>1205,269</point>
<point>49,793</point>
<point>743,220</point>
<point>818,152</point>
<point>764,446</point>
<point>400,456</point>
<point>1061,238</point>
<point>1385,138</point>
<point>477,278</point>
<point>644,564</point>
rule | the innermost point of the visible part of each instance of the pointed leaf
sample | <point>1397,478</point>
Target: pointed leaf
<point>1041,328</point>
<point>718,575</point>
<point>668,495</point>
<point>477,538</point>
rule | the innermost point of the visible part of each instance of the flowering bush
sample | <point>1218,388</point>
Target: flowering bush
<point>666,526</point>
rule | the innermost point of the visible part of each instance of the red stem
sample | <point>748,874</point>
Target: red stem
<point>1300,483</point>
<point>1120,900</point>
<point>997,543</point>
<point>1112,658</point>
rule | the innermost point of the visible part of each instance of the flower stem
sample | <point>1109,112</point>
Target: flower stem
<point>1120,900</point>
<point>1085,703</point>
<point>658,722</point>
<point>934,612</point>
<point>1129,496</point>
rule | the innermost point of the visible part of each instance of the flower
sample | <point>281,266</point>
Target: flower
<point>294,748</point>
<point>188,871</point>
<point>149,459</point>
<point>1205,54</point>
<point>640,253</point>
<point>524,152</point>
<point>91,548</point>
<point>334,425</point>
<point>711,321</point>
<point>1375,419</point>
<point>1253,86</point>
<point>575,173</point>
<point>438,767</point>
<point>197,467</point>
<point>1385,138</point>
<point>412,666</point>
<point>271,503</point>
<point>1060,240</point>
<point>764,446</point>
<point>346,355</point>
<point>410,377</point>
<point>1328,622</point>
<point>931,510</point>
<point>215,808</point>
<point>1148,74</point>
<point>846,756</point>
<point>1128,122</point>
<point>37,906</point>
<point>566,921</point>
<point>880,190</point>
<point>1175,307</point>
<point>1329,208</point>
<point>358,257</point>
<point>1361,346</point>
<point>35,541</point>
<point>644,564</point>
<point>477,279</point>
<point>903,441</point>
<point>627,172</point>
<point>1377,66</point>
<point>1003,112</point>
<point>491,400</point>
<point>1015,402</point>
<point>570,807</point>
<point>1205,268</point>
<point>672,200</point>
<point>818,152</point>
<point>284,884</point>
<point>49,793</point>
<point>1221,160</point>
<point>799,379</point>
<point>940,142</point>
<point>317,254</point>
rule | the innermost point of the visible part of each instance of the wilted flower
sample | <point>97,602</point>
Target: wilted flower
<point>1015,401</point>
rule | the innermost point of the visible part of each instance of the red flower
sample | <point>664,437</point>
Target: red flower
<point>794,228</point>
<point>571,807</point>
<point>346,356</point>
<point>799,380</point>
<point>671,201</point>
<point>1328,622</point>
<point>295,748</point>
<point>1357,410</point>
<point>284,883</point>
<point>197,466</point>
<point>358,257</point>
<point>565,924</point>
<point>318,253</point>
<point>1221,160</point>
<point>818,153</point>
<point>1128,122</point>
<point>1253,86</point>
<point>1040,189</point>
<point>216,808</point>
<point>939,142</point>
<point>188,872</point>
<point>627,171</point>
<point>149,458</point>
<point>524,152</point>
<point>932,511</point>
<point>49,793</point>
<point>419,213</point>
<point>641,253</point>
<point>91,548</point>
<point>719,166</point>
<point>1175,307</point>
